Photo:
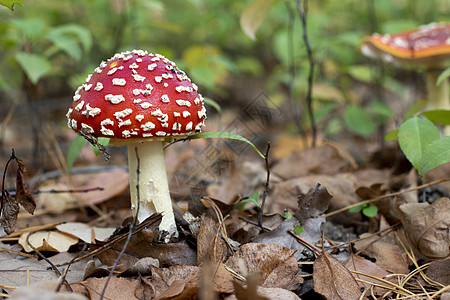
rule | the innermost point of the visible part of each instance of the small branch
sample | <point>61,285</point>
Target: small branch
<point>266,189</point>
<point>70,191</point>
<point>254,223</point>
<point>290,50</point>
<point>302,13</point>
<point>317,251</point>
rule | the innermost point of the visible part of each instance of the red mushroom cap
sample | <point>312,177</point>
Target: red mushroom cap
<point>429,45</point>
<point>137,95</point>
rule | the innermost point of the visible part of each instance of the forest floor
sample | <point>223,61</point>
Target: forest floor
<point>305,245</point>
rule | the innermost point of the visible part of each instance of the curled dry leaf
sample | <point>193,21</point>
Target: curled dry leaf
<point>274,263</point>
<point>23,195</point>
<point>9,213</point>
<point>313,203</point>
<point>333,281</point>
<point>47,241</point>
<point>427,227</point>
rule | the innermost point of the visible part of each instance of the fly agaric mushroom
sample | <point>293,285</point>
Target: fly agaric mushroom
<point>141,100</point>
<point>429,46</point>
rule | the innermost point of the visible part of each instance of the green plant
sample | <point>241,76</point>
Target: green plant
<point>421,142</point>
<point>369,210</point>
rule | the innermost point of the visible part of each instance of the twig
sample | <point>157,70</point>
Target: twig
<point>266,189</point>
<point>66,270</point>
<point>69,191</point>
<point>130,232</point>
<point>317,251</point>
<point>302,13</point>
<point>387,196</point>
<point>290,50</point>
<point>253,223</point>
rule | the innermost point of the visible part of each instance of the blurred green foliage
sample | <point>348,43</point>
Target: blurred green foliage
<point>63,41</point>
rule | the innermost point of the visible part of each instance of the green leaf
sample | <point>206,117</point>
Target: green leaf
<point>67,38</point>
<point>440,116</point>
<point>370,211</point>
<point>361,73</point>
<point>356,208</point>
<point>288,215</point>
<point>358,121</point>
<point>437,153</point>
<point>298,229</point>
<point>10,3</point>
<point>74,150</point>
<point>443,76</point>
<point>414,136</point>
<point>253,15</point>
<point>252,199</point>
<point>391,135</point>
<point>65,44</point>
<point>214,104</point>
<point>224,135</point>
<point>35,66</point>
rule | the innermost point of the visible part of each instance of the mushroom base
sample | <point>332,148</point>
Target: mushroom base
<point>149,188</point>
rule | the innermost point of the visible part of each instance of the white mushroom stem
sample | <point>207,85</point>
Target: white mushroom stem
<point>154,196</point>
<point>438,95</point>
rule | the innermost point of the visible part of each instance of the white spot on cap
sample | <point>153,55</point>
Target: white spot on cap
<point>176,126</point>
<point>125,123</point>
<point>158,79</point>
<point>198,127</point>
<point>133,66</point>
<point>106,131</point>
<point>189,126</point>
<point>182,88</point>
<point>88,78</point>
<point>167,76</point>
<point>119,81</point>
<point>127,57</point>
<point>195,87</point>
<point>139,118</point>
<point>79,106</point>
<point>151,67</point>
<point>98,70</point>
<point>137,101</point>
<point>137,92</point>
<point>149,87</point>
<point>166,84</point>
<point>165,98</point>
<point>98,86</point>
<point>183,103</point>
<point>113,70</point>
<point>74,124</point>
<point>197,100</point>
<point>202,113</point>
<point>146,105</point>
<point>139,59</point>
<point>107,121</point>
<point>87,87</point>
<point>138,77</point>
<point>114,99</point>
<point>103,64</point>
<point>148,126</point>
<point>69,112</point>
<point>156,58</point>
<point>91,111</point>
<point>87,128</point>
<point>126,133</point>
<point>122,114</point>
<point>76,97</point>
<point>176,114</point>
<point>161,133</point>
<point>146,135</point>
<point>186,114</point>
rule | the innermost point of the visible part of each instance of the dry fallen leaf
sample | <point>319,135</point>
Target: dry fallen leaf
<point>313,203</point>
<point>275,264</point>
<point>333,281</point>
<point>46,291</point>
<point>85,232</point>
<point>47,241</point>
<point>9,213</point>
<point>362,265</point>
<point>23,195</point>
<point>118,288</point>
<point>439,271</point>
<point>427,227</point>
<point>250,292</point>
<point>388,256</point>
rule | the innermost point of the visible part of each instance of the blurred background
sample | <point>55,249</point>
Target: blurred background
<point>47,48</point>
